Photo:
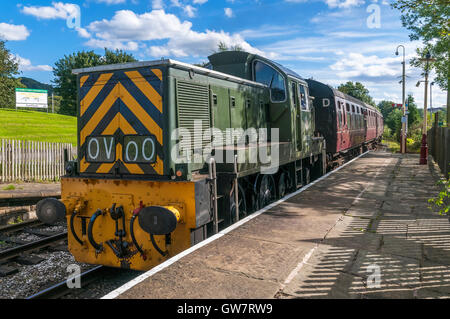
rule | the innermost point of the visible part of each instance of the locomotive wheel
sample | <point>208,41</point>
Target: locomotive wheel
<point>284,184</point>
<point>242,204</point>
<point>307,177</point>
<point>266,191</point>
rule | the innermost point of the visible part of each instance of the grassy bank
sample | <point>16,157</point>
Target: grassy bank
<point>37,126</point>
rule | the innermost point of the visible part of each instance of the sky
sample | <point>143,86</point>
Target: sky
<point>332,41</point>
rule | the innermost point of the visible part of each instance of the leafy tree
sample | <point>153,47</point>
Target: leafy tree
<point>385,108</point>
<point>9,67</point>
<point>66,82</point>
<point>394,122</point>
<point>357,90</point>
<point>117,56</point>
<point>222,47</point>
<point>428,20</point>
<point>413,115</point>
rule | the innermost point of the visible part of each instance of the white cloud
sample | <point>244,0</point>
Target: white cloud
<point>128,30</point>
<point>26,65</point>
<point>266,31</point>
<point>12,32</point>
<point>112,1</point>
<point>58,10</point>
<point>200,1</point>
<point>190,11</point>
<point>344,3</point>
<point>129,26</point>
<point>356,65</point>
<point>157,4</point>
<point>228,12</point>
<point>82,32</point>
<point>113,44</point>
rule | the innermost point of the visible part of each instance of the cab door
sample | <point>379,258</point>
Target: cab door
<point>296,112</point>
<point>305,117</point>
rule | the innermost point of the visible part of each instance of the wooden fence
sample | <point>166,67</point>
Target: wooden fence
<point>32,161</point>
<point>439,147</point>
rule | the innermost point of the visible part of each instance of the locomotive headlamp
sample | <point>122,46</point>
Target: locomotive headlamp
<point>159,220</point>
<point>50,210</point>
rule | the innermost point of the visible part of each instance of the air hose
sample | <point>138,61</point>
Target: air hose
<point>134,238</point>
<point>72,228</point>
<point>163,253</point>
<point>98,247</point>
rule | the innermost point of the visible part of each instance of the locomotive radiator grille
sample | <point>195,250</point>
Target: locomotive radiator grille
<point>193,105</point>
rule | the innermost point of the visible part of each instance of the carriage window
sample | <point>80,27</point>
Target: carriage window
<point>348,107</point>
<point>270,77</point>
<point>303,97</point>
<point>353,108</point>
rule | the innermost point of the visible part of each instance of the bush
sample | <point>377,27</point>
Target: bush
<point>442,200</point>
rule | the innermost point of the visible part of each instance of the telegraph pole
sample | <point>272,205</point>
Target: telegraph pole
<point>424,147</point>
<point>404,123</point>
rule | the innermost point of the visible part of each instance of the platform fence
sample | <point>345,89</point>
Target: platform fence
<point>32,161</point>
<point>439,147</point>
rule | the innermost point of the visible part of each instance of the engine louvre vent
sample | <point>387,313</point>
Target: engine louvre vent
<point>193,105</point>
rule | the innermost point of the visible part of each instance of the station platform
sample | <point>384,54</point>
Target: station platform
<point>29,190</point>
<point>362,231</point>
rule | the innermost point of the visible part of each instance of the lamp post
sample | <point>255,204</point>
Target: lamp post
<point>403,133</point>
<point>424,147</point>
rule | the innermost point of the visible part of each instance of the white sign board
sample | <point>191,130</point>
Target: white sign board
<point>31,98</point>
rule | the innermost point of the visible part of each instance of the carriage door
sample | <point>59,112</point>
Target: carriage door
<point>297,117</point>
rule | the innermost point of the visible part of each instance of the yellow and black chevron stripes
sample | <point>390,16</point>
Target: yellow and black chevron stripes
<point>121,103</point>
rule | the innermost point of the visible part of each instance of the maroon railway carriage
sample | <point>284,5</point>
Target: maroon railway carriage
<point>348,124</point>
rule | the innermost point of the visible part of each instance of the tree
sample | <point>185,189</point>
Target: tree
<point>394,122</point>
<point>9,67</point>
<point>66,82</point>
<point>222,47</point>
<point>413,115</point>
<point>428,20</point>
<point>385,108</point>
<point>357,90</point>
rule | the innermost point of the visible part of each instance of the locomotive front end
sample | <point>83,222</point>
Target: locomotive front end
<point>123,203</point>
<point>133,224</point>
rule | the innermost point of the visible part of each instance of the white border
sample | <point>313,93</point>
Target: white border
<point>115,293</point>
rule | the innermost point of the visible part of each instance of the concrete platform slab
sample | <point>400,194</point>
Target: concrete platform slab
<point>360,233</point>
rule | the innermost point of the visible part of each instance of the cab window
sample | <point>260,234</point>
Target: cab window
<point>294,94</point>
<point>273,79</point>
<point>303,97</point>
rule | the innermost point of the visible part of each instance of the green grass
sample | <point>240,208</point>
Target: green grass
<point>393,146</point>
<point>38,126</point>
<point>9,188</point>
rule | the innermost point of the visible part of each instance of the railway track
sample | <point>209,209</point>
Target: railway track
<point>61,289</point>
<point>19,226</point>
<point>10,253</point>
<point>18,250</point>
<point>31,199</point>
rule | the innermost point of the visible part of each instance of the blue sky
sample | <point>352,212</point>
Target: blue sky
<point>332,41</point>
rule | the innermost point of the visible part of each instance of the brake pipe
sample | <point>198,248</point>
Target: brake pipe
<point>98,247</point>
<point>144,256</point>
<point>72,228</point>
<point>163,253</point>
